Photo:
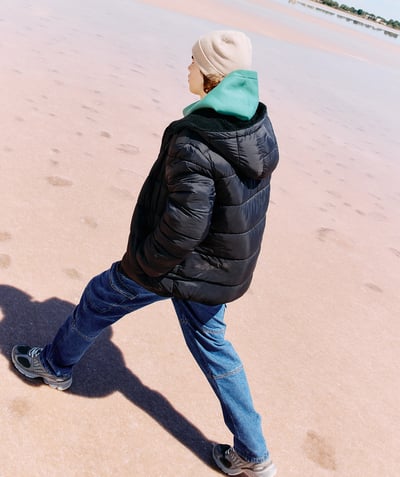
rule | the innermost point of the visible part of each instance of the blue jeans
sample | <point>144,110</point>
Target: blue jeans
<point>111,295</point>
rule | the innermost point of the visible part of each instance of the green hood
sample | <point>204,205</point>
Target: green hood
<point>236,95</point>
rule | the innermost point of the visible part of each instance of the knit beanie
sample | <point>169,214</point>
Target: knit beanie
<point>221,52</point>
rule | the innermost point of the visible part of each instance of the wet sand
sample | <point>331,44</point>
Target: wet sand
<point>86,93</point>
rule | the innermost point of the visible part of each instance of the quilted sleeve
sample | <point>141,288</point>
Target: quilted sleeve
<point>188,209</point>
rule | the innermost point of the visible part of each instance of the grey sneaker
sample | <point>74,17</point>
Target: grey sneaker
<point>26,360</point>
<point>230,462</point>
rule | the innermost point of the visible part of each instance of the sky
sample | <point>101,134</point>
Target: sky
<point>386,8</point>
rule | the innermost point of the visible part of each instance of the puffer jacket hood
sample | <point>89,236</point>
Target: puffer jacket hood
<point>233,139</point>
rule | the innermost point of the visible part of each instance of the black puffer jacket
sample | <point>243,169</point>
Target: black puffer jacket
<point>198,224</point>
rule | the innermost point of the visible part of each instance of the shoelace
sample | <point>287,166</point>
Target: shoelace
<point>232,456</point>
<point>34,352</point>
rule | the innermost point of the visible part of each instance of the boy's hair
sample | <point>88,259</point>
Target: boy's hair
<point>211,81</point>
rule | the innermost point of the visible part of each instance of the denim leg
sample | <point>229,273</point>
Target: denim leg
<point>107,298</point>
<point>204,331</point>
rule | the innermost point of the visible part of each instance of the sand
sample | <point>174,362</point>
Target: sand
<point>86,91</point>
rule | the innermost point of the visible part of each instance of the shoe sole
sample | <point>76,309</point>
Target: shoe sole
<point>60,386</point>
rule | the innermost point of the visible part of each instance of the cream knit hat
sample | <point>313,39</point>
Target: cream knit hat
<point>221,52</point>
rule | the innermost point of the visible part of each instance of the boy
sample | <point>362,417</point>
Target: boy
<point>195,237</point>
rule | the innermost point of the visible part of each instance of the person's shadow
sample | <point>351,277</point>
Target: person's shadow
<point>26,321</point>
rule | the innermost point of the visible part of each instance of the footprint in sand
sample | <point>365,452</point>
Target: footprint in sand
<point>328,235</point>
<point>20,407</point>
<point>395,252</point>
<point>373,287</point>
<point>323,233</point>
<point>89,108</point>
<point>72,273</point>
<point>4,236</point>
<point>5,260</point>
<point>319,450</point>
<point>58,181</point>
<point>122,193</point>
<point>90,222</point>
<point>334,193</point>
<point>374,196</point>
<point>128,149</point>
<point>105,134</point>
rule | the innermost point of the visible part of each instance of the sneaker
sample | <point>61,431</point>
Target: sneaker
<point>27,361</point>
<point>230,462</point>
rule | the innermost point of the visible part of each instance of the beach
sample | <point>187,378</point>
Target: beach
<point>87,91</point>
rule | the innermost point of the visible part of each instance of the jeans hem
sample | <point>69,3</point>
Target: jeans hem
<point>248,458</point>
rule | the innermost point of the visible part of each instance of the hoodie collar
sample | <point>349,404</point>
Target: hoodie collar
<point>236,95</point>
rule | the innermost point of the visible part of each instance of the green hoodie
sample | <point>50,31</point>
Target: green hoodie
<point>236,95</point>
